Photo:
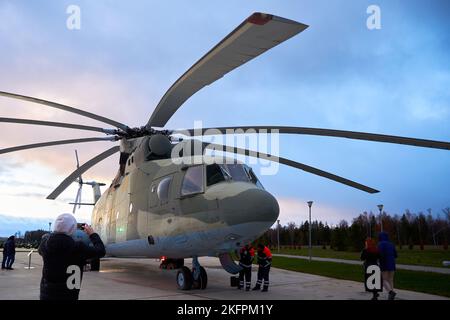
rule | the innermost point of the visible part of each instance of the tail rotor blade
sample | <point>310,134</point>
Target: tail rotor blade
<point>77,199</point>
<point>76,157</point>
<point>82,169</point>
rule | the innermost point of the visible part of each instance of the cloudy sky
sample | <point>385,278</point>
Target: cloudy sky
<point>337,74</point>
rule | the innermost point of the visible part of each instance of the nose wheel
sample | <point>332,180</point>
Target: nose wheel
<point>195,279</point>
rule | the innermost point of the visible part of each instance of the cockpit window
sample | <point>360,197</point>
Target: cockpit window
<point>214,174</point>
<point>192,181</point>
<point>237,172</point>
<point>253,178</point>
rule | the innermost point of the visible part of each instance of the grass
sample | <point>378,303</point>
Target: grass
<point>431,256</point>
<point>427,282</point>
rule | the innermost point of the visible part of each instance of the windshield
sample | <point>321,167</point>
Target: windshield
<point>216,173</point>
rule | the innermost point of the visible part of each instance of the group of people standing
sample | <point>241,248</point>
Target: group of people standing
<point>382,255</point>
<point>9,253</point>
<point>264,259</point>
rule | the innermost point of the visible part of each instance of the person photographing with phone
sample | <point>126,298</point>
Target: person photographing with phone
<point>62,254</point>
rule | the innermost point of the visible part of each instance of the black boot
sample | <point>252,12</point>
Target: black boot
<point>392,295</point>
<point>257,287</point>
<point>265,288</point>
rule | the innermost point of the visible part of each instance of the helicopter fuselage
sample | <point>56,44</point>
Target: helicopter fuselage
<point>160,208</point>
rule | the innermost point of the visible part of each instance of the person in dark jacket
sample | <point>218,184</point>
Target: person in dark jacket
<point>264,261</point>
<point>370,255</point>
<point>4,257</point>
<point>63,257</point>
<point>246,256</point>
<point>388,254</point>
<point>9,253</point>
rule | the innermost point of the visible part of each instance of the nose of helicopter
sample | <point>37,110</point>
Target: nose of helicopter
<point>253,205</point>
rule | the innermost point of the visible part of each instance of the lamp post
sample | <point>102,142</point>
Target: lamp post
<point>380,206</point>
<point>49,227</point>
<point>278,235</point>
<point>310,203</point>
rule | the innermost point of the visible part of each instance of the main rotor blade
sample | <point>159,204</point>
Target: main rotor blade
<point>57,124</point>
<point>257,34</point>
<point>323,132</point>
<point>290,163</point>
<point>54,143</point>
<point>82,169</point>
<point>65,108</point>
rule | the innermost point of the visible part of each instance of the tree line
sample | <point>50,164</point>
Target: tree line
<point>409,229</point>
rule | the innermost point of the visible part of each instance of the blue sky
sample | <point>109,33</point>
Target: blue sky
<point>337,74</point>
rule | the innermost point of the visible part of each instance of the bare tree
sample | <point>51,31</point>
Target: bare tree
<point>291,230</point>
<point>446,211</point>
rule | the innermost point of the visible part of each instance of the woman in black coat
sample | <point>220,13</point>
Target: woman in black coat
<point>64,259</point>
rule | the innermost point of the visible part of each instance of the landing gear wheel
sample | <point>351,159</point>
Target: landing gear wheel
<point>202,281</point>
<point>203,278</point>
<point>184,279</point>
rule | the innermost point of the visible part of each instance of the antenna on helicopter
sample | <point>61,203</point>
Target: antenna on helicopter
<point>95,188</point>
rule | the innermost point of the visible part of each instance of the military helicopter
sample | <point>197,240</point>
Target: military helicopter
<point>157,207</point>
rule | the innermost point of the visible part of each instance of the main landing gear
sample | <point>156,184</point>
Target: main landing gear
<point>195,279</point>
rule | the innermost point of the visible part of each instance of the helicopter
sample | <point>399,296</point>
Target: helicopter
<point>157,207</point>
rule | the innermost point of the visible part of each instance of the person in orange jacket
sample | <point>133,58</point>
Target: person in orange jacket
<point>264,261</point>
<point>246,256</point>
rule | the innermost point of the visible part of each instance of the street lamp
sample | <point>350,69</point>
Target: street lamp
<point>380,206</point>
<point>310,203</point>
<point>278,235</point>
<point>49,227</point>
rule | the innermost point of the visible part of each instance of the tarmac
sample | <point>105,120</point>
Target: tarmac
<point>142,279</point>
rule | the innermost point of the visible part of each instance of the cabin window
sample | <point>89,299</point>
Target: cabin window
<point>163,189</point>
<point>192,181</point>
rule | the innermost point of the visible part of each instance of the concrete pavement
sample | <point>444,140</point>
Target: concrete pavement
<point>142,279</point>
